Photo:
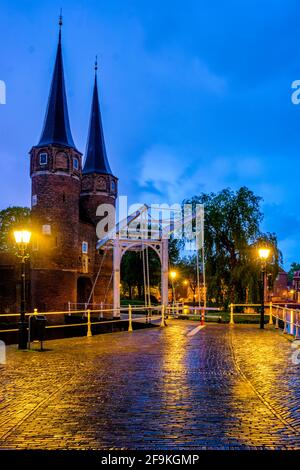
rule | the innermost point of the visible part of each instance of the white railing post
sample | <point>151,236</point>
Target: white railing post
<point>292,323</point>
<point>271,314</point>
<point>89,329</point>
<point>284,321</point>
<point>231,315</point>
<point>277,318</point>
<point>162,323</point>
<point>129,318</point>
<point>297,325</point>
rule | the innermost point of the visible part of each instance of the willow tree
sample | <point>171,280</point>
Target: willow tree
<point>232,236</point>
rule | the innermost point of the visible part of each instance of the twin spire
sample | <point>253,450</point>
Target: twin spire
<point>96,159</point>
<point>57,130</point>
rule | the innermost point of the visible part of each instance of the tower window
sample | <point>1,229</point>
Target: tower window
<point>85,264</point>
<point>43,158</point>
<point>75,163</point>
<point>34,200</point>
<point>113,185</point>
<point>46,229</point>
<point>85,247</point>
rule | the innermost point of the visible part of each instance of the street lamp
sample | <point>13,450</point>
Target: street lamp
<point>22,238</point>
<point>264,254</point>
<point>173,275</point>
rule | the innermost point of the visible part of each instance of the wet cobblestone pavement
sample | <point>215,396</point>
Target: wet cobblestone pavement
<point>224,388</point>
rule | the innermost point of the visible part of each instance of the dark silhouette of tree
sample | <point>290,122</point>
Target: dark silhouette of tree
<point>294,267</point>
<point>10,219</point>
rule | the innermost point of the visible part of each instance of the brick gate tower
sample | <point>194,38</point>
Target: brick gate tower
<point>64,261</point>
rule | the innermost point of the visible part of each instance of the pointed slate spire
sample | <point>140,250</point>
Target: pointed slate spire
<point>96,159</point>
<point>57,129</point>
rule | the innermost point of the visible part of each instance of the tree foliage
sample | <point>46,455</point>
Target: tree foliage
<point>10,219</point>
<point>232,236</point>
<point>294,267</point>
<point>132,273</point>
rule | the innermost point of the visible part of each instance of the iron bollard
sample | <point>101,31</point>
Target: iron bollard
<point>35,312</point>
<point>129,318</point>
<point>231,315</point>
<point>89,329</point>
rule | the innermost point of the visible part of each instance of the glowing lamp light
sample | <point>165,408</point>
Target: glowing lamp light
<point>22,236</point>
<point>173,274</point>
<point>264,253</point>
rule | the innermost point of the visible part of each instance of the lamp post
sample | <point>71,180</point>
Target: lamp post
<point>263,255</point>
<point>173,275</point>
<point>22,238</point>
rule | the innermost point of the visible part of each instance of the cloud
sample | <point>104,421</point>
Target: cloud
<point>172,65</point>
<point>167,173</point>
<point>161,173</point>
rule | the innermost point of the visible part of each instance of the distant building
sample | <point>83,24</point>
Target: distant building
<point>296,286</point>
<point>280,289</point>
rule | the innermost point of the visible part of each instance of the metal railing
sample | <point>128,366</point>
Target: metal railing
<point>251,314</point>
<point>289,317</point>
<point>79,306</point>
<point>187,311</point>
<point>111,315</point>
<point>146,314</point>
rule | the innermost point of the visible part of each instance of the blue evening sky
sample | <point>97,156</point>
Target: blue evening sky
<point>195,96</point>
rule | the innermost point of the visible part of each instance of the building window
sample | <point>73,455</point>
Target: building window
<point>34,200</point>
<point>43,158</point>
<point>46,229</point>
<point>75,163</point>
<point>113,186</point>
<point>85,247</point>
<point>85,264</point>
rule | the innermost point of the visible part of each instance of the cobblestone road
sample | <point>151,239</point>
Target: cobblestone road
<point>224,388</point>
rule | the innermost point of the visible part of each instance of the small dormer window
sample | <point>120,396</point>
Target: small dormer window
<point>43,158</point>
<point>85,247</point>
<point>75,163</point>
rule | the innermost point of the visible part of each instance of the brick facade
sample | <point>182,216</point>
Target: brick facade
<point>65,197</point>
<point>64,205</point>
